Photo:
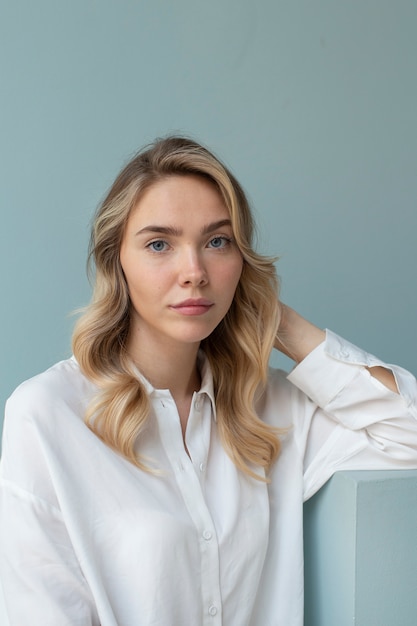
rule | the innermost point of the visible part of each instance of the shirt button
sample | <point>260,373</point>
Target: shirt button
<point>197,405</point>
<point>202,467</point>
<point>212,610</point>
<point>207,535</point>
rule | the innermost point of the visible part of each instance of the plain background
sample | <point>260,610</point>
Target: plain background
<point>311,103</point>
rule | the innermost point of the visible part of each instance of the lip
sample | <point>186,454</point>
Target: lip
<point>193,306</point>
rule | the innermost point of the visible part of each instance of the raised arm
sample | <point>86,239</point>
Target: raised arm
<point>297,337</point>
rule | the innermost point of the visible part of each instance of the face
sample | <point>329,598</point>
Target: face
<point>180,262</point>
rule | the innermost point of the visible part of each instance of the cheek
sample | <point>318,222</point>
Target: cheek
<point>147,285</point>
<point>230,275</point>
<point>237,270</point>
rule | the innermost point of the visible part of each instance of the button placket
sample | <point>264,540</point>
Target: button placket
<point>190,476</point>
<point>198,434</point>
<point>208,545</point>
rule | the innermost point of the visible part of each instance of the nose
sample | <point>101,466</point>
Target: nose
<point>192,271</point>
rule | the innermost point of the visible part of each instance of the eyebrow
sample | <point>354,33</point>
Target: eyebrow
<point>175,232</point>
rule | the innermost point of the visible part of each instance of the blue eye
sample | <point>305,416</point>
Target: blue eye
<point>157,246</point>
<point>219,242</point>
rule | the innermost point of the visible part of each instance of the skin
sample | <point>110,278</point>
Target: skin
<point>178,245</point>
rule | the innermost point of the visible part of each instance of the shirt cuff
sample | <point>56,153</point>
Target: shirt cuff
<point>329,368</point>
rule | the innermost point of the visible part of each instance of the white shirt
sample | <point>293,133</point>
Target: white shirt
<point>89,539</point>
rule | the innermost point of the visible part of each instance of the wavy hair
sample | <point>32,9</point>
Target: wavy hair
<point>238,349</point>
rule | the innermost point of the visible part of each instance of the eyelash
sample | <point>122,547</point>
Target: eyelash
<point>226,241</point>
<point>152,243</point>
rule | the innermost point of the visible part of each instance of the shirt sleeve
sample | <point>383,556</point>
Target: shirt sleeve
<point>351,420</point>
<point>40,574</point>
<point>41,579</point>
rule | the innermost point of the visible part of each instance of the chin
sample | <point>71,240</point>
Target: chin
<point>195,339</point>
<point>196,334</point>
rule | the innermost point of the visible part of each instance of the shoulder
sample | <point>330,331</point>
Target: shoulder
<point>278,383</point>
<point>44,414</point>
<point>277,404</point>
<point>44,428</point>
<point>61,384</point>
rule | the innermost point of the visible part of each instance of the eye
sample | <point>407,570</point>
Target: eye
<point>219,242</point>
<point>157,246</point>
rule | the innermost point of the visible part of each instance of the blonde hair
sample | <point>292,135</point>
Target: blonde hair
<point>238,349</point>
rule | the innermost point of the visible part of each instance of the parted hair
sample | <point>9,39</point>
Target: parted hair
<point>238,349</point>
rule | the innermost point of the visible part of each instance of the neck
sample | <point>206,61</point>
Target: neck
<point>168,366</point>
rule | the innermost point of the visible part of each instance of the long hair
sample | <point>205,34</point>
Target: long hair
<point>238,349</point>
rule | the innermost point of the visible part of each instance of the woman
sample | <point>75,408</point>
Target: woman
<point>157,477</point>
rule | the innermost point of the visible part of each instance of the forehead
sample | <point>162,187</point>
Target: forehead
<point>181,196</point>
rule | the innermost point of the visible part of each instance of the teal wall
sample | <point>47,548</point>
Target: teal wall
<point>313,104</point>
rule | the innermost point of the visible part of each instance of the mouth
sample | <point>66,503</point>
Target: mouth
<point>193,306</point>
